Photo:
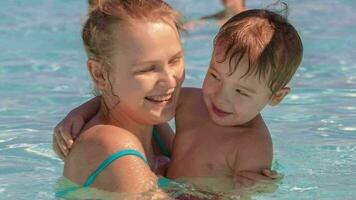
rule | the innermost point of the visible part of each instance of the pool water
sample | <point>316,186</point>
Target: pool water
<point>43,76</point>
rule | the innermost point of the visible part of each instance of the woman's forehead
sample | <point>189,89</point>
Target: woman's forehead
<point>148,40</point>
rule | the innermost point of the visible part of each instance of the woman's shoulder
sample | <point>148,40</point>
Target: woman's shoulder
<point>94,146</point>
<point>108,139</point>
<point>103,145</point>
<point>99,142</point>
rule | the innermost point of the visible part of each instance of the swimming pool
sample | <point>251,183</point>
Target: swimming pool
<point>43,76</point>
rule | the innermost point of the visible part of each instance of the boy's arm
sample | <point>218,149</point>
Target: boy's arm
<point>88,109</point>
<point>167,135</point>
<point>252,160</point>
<point>69,128</point>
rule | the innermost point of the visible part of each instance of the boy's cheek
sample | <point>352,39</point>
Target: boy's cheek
<point>208,87</point>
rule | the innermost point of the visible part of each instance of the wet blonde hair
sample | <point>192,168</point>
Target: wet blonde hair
<point>105,15</point>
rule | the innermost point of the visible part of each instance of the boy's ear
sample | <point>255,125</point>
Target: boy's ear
<point>279,96</point>
<point>98,73</point>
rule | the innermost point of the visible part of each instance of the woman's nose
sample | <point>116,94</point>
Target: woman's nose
<point>168,78</point>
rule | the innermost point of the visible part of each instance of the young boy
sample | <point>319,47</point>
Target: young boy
<point>219,130</point>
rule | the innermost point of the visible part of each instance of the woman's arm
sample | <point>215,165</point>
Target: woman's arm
<point>167,135</point>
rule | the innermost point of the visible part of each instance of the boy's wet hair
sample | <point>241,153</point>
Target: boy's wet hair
<point>271,44</point>
<point>106,15</point>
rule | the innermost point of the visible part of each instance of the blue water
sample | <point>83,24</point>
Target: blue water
<point>43,76</point>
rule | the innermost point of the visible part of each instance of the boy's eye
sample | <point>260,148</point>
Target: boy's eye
<point>214,76</point>
<point>240,92</point>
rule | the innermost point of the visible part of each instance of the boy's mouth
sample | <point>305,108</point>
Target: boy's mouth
<point>219,112</point>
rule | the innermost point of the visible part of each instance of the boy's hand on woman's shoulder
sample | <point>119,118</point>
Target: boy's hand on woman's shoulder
<point>65,133</point>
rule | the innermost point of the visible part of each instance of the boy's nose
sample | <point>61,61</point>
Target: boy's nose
<point>221,96</point>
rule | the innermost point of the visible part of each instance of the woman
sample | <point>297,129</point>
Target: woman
<point>135,60</point>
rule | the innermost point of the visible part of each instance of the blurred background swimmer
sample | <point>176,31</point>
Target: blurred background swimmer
<point>231,8</point>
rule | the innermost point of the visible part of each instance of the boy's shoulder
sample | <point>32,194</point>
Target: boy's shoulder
<point>190,95</point>
<point>191,91</point>
<point>254,150</point>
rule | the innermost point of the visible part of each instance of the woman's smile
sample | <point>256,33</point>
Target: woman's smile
<point>160,99</point>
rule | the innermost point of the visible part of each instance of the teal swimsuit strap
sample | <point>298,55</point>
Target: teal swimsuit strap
<point>103,165</point>
<point>162,182</point>
<point>160,142</point>
<point>109,160</point>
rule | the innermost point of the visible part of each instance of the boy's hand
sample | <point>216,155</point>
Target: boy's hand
<point>245,179</point>
<point>65,133</point>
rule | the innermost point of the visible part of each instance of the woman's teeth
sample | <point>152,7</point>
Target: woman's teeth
<point>160,98</point>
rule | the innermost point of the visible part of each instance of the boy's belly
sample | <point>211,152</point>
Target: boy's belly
<point>205,173</point>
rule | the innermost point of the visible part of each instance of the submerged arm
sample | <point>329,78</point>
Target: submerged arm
<point>167,135</point>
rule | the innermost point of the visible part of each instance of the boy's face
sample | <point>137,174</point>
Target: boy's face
<point>230,99</point>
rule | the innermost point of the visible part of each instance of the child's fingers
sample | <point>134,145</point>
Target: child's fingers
<point>64,130</point>
<point>272,174</point>
<point>56,148</point>
<point>65,133</point>
<point>61,143</point>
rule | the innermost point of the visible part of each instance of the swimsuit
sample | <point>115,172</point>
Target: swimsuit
<point>162,182</point>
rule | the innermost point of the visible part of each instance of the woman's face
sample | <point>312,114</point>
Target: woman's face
<point>146,72</point>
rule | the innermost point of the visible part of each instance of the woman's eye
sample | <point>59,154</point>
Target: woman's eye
<point>240,92</point>
<point>149,69</point>
<point>174,61</point>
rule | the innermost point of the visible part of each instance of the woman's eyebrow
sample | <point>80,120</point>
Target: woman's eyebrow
<point>145,62</point>
<point>179,54</point>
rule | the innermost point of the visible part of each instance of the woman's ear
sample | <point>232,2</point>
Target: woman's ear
<point>279,96</point>
<point>98,74</point>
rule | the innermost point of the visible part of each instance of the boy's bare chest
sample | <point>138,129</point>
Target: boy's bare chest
<point>204,155</point>
<point>205,148</point>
